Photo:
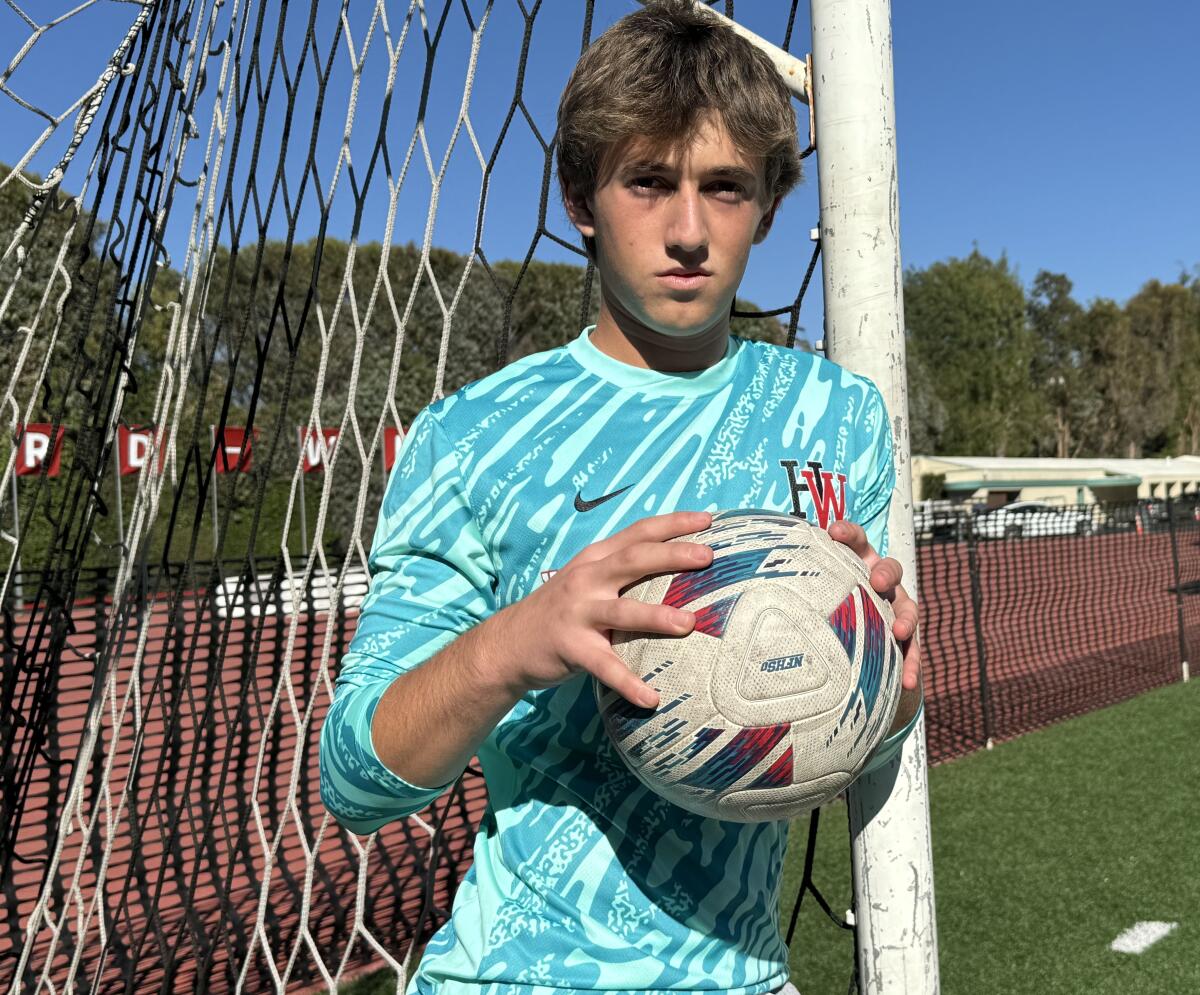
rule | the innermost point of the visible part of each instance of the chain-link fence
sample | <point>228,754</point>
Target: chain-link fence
<point>1032,613</point>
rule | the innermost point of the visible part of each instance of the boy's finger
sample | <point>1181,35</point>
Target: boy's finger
<point>627,615</point>
<point>911,678</point>
<point>886,575</point>
<point>612,671</point>
<point>658,528</point>
<point>628,565</point>
<point>852,535</point>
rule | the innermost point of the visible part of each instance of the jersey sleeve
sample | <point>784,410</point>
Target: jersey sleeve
<point>874,470</point>
<point>432,578</point>
<point>889,750</point>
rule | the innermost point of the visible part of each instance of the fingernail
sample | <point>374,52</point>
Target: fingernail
<point>649,699</point>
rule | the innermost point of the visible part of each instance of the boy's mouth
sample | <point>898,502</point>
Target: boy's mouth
<point>681,278</point>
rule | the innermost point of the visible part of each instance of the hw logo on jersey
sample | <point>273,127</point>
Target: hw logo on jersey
<point>826,490</point>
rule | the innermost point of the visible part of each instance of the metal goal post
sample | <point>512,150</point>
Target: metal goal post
<point>851,94</point>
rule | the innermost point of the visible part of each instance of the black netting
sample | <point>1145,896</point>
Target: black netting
<point>242,224</point>
<point>226,232</point>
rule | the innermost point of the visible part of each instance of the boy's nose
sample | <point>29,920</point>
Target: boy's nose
<point>686,230</point>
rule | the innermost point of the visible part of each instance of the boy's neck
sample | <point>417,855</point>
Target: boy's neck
<point>627,341</point>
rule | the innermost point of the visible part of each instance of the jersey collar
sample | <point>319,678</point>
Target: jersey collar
<point>654,381</point>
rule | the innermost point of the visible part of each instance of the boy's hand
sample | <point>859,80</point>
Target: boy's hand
<point>564,627</point>
<point>885,579</point>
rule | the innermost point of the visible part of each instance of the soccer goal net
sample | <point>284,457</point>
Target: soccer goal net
<point>242,244</point>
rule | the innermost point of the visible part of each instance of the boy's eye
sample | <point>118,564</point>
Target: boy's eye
<point>647,183</point>
<point>728,190</point>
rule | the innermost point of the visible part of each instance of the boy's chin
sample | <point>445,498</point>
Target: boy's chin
<point>681,334</point>
<point>679,327</point>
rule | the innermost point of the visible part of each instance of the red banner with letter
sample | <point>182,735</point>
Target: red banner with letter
<point>316,448</point>
<point>134,444</point>
<point>234,449</point>
<point>392,438</point>
<point>38,445</point>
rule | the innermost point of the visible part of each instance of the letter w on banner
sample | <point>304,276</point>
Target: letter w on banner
<point>38,445</point>
<point>234,447</point>
<point>316,449</point>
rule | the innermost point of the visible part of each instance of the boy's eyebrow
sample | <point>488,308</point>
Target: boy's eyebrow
<point>647,166</point>
<point>732,172</point>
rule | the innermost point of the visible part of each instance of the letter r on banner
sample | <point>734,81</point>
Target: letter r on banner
<point>38,445</point>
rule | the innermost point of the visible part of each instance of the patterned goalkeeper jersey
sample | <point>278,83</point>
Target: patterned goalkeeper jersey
<point>583,880</point>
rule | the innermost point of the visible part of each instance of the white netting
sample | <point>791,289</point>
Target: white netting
<point>270,218</point>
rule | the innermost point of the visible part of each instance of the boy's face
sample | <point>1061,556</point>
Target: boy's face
<point>673,231</point>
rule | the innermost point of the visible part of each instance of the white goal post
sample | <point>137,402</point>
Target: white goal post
<point>853,107</point>
<point>864,317</point>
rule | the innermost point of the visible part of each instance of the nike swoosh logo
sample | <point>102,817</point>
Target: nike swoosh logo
<point>582,505</point>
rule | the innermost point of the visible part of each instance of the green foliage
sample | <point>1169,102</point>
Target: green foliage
<point>966,326</point>
<point>1055,319</point>
<point>933,486</point>
<point>996,371</point>
<point>1163,386</point>
<point>57,351</point>
<point>317,332</point>
<point>322,332</point>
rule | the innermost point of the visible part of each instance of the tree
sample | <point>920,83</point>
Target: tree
<point>926,412</point>
<point>1164,320</point>
<point>61,348</point>
<point>1187,376</point>
<point>972,351</point>
<point>1055,323</point>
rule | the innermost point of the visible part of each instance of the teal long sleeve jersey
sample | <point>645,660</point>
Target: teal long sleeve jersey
<point>583,880</point>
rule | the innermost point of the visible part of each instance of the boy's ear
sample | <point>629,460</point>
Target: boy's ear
<point>768,219</point>
<point>579,211</point>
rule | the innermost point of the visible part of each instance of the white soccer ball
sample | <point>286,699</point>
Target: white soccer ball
<point>777,699</point>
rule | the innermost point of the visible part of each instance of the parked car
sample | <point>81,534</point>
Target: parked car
<point>940,520</point>
<point>1033,518</point>
<point>1122,517</point>
<point>1159,513</point>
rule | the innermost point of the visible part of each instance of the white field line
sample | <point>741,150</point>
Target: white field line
<point>1142,935</point>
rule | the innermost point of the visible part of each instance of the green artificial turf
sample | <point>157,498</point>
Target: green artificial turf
<point>1045,849</point>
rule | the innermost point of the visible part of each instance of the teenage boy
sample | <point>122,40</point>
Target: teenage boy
<point>522,505</point>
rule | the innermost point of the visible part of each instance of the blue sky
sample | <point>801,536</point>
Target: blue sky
<point>1064,134</point>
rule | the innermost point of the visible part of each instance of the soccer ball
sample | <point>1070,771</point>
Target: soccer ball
<point>776,700</point>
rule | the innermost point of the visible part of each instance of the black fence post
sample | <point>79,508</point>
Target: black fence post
<point>985,697</point>
<point>1183,660</point>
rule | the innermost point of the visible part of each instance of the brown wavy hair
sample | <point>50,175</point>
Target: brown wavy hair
<point>657,72</point>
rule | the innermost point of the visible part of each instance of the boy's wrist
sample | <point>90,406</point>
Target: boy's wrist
<point>490,664</point>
